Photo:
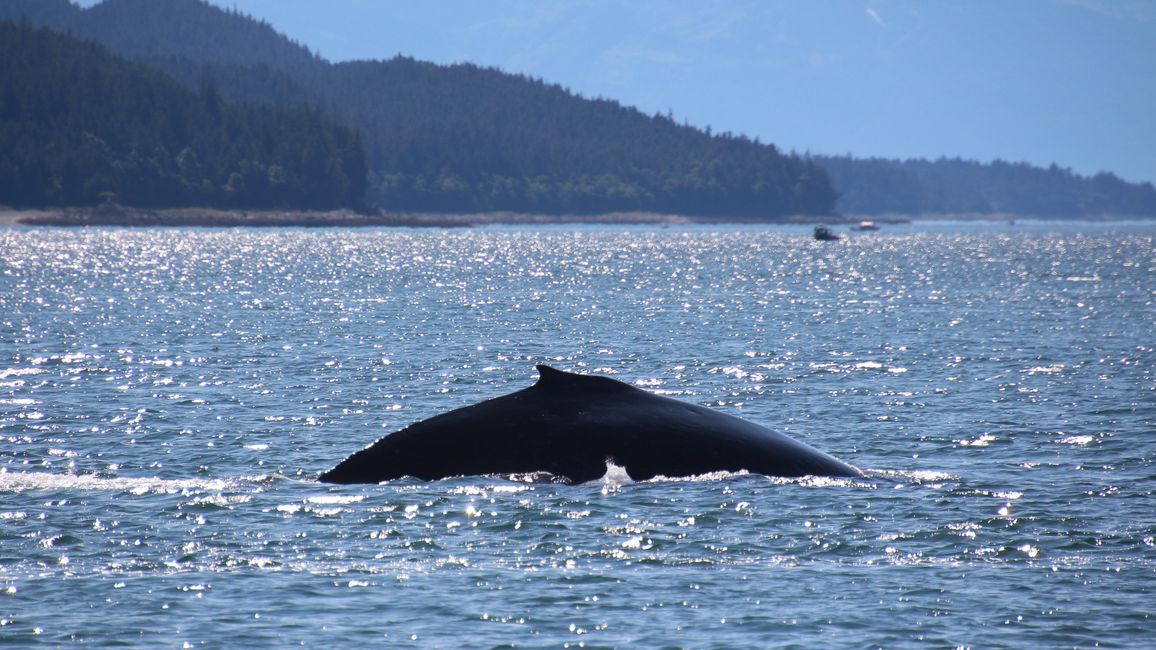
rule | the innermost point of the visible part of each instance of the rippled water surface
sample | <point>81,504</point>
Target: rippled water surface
<point>167,398</point>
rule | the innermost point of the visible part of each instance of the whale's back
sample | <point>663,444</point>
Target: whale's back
<point>570,425</point>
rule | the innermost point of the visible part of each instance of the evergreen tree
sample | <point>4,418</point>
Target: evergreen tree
<point>79,126</point>
<point>463,138</point>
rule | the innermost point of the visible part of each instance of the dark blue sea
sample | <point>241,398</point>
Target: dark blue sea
<point>168,397</point>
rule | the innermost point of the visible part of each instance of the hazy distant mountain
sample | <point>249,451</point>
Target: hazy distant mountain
<point>467,138</point>
<point>954,186</point>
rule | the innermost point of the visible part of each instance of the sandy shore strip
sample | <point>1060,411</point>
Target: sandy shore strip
<point>19,217</point>
<point>184,217</point>
<point>122,216</point>
<point>204,217</point>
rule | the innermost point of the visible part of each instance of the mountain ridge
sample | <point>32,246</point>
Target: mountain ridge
<point>466,138</point>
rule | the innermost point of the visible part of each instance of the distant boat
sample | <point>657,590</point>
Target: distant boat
<point>867,224</point>
<point>823,233</point>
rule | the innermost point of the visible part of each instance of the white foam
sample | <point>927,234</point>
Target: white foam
<point>709,476</point>
<point>20,372</point>
<point>615,475</point>
<point>22,481</point>
<point>805,481</point>
<point>982,441</point>
<point>917,476</point>
<point>335,499</point>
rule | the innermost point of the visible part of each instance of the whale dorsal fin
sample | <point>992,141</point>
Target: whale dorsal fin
<point>553,378</point>
<point>548,375</point>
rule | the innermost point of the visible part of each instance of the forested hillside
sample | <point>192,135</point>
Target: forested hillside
<point>463,138</point>
<point>167,28</point>
<point>460,138</point>
<point>954,186</point>
<point>80,126</point>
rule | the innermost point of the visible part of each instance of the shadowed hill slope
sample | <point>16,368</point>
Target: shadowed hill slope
<point>461,137</point>
<point>464,138</point>
<point>80,126</point>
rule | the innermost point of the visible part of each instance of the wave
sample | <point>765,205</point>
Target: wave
<point>916,477</point>
<point>615,477</point>
<point>24,481</point>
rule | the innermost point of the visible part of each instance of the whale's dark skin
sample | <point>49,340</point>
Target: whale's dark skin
<point>570,425</point>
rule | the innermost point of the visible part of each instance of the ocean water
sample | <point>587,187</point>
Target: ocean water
<point>168,396</point>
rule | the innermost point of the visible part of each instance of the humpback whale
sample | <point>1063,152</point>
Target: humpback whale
<point>571,426</point>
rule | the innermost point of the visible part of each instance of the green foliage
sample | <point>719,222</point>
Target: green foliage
<point>456,138</point>
<point>951,185</point>
<point>79,126</point>
<point>462,138</point>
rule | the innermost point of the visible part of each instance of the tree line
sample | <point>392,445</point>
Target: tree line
<point>80,126</point>
<point>465,138</point>
<point>459,138</point>
<point>952,185</point>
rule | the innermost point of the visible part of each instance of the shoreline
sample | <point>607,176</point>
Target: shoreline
<point>119,216</point>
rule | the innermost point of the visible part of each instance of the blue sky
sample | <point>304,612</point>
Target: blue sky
<point>1065,81</point>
